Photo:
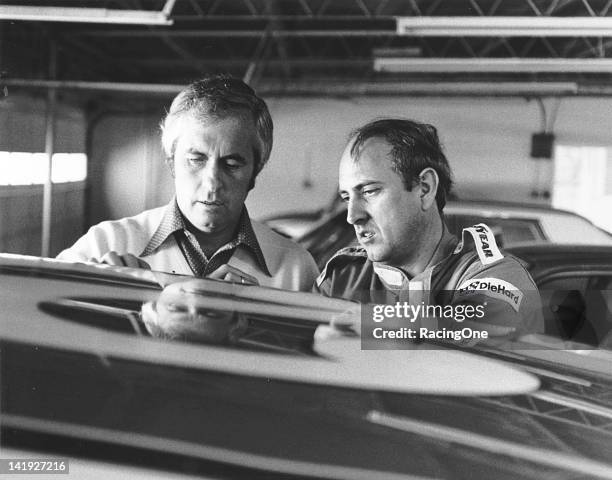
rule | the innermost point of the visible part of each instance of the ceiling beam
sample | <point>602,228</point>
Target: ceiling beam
<point>328,88</point>
<point>237,62</point>
<point>287,17</point>
<point>224,33</point>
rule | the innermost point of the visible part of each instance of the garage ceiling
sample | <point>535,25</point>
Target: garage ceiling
<point>315,45</point>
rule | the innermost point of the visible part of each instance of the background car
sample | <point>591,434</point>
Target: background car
<point>575,283</point>
<point>574,279</point>
<point>325,232</point>
<point>82,381</point>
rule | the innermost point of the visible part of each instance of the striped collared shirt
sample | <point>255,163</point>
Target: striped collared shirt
<point>173,223</point>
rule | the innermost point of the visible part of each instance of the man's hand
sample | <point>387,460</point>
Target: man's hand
<point>346,324</point>
<point>233,274</point>
<point>124,260</point>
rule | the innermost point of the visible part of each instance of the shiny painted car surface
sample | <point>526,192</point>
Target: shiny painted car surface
<point>82,380</point>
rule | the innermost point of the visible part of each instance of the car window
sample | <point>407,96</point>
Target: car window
<point>578,307</point>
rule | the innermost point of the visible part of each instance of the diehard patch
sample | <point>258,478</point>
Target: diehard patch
<point>486,246</point>
<point>494,288</point>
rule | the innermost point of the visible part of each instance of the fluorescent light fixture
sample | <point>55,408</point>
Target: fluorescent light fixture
<point>493,65</point>
<point>83,15</point>
<point>505,26</point>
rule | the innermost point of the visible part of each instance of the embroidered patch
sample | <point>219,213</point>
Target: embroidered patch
<point>494,288</point>
<point>486,246</point>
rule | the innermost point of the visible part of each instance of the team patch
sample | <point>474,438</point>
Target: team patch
<point>494,288</point>
<point>486,246</point>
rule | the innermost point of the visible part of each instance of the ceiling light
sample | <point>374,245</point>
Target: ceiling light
<point>83,15</point>
<point>493,65</point>
<point>505,26</point>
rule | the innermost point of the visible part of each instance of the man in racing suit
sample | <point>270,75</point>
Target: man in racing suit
<point>395,178</point>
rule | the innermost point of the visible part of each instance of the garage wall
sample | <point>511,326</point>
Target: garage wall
<point>486,140</point>
<point>22,125</point>
<point>22,129</point>
<point>127,172</point>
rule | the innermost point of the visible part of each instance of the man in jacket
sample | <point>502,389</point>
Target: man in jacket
<point>395,178</point>
<point>217,137</point>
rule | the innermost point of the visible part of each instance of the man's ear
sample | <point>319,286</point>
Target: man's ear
<point>170,163</point>
<point>428,183</point>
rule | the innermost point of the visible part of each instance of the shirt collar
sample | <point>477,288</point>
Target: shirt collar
<point>395,277</point>
<point>246,237</point>
<point>170,223</point>
<point>173,221</point>
<point>446,247</point>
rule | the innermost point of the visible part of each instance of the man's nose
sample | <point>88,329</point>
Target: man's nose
<point>211,176</point>
<point>355,213</point>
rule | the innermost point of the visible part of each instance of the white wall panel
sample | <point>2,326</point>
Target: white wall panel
<point>127,172</point>
<point>22,125</point>
<point>486,140</point>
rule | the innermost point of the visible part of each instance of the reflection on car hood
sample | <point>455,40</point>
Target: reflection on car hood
<point>75,389</point>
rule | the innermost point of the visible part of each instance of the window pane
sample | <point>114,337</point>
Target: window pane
<point>69,167</point>
<point>26,168</point>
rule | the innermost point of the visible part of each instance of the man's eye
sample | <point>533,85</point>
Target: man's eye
<point>369,191</point>
<point>233,164</point>
<point>344,198</point>
<point>177,307</point>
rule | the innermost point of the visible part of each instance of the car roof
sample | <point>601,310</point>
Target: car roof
<point>561,251</point>
<point>558,226</point>
<point>540,258</point>
<point>506,205</point>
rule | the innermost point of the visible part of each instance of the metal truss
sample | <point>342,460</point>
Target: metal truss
<point>291,40</point>
<point>352,9</point>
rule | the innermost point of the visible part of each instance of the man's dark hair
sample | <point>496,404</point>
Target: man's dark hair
<point>217,97</point>
<point>414,147</point>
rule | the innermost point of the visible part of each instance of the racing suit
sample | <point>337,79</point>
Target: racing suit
<point>472,271</point>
